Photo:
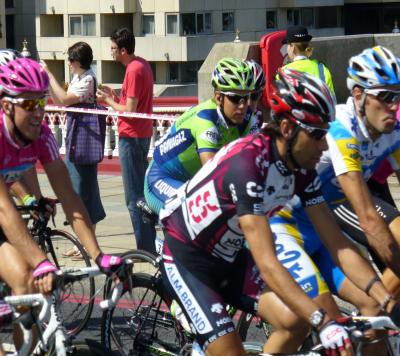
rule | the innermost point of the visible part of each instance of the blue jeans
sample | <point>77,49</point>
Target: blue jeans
<point>133,158</point>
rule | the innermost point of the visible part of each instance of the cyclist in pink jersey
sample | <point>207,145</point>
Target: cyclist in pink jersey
<point>24,140</point>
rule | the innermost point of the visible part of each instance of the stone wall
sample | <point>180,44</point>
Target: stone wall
<point>333,51</point>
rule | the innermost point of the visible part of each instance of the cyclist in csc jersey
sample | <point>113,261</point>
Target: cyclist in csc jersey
<point>25,139</point>
<point>201,131</point>
<point>364,133</point>
<point>299,52</point>
<point>205,263</point>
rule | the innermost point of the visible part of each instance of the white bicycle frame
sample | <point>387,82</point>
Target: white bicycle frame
<point>51,314</point>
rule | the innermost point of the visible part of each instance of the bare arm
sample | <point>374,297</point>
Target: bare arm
<point>73,207</point>
<point>206,156</point>
<point>16,231</point>
<point>59,95</point>
<point>259,236</point>
<point>376,230</point>
<point>106,96</point>
<point>343,252</point>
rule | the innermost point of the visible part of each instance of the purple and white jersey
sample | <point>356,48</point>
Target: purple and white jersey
<point>15,160</point>
<point>246,176</point>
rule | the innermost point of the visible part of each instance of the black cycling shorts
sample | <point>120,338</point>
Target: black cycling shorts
<point>203,285</point>
<point>349,223</point>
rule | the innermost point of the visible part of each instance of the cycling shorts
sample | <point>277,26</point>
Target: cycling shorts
<point>348,220</point>
<point>159,187</point>
<point>381,191</point>
<point>309,264</point>
<point>203,285</point>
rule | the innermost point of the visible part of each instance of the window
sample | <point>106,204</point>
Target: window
<point>154,70</point>
<point>228,21</point>
<point>328,16</point>
<point>172,24</point>
<point>307,17</point>
<point>301,16</point>
<point>196,23</point>
<point>293,17</point>
<point>148,24</point>
<point>270,19</point>
<point>173,72</point>
<point>9,4</point>
<point>82,25</point>
<point>203,23</point>
<point>188,24</point>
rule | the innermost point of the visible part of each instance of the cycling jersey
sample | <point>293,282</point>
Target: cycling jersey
<point>205,263</point>
<point>350,149</point>
<point>176,155</point>
<point>15,160</point>
<point>231,185</point>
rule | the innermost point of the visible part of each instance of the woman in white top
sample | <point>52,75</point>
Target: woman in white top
<point>82,89</point>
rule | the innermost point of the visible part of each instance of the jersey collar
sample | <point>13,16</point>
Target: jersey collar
<point>279,164</point>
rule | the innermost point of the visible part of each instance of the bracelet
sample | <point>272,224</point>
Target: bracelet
<point>371,283</point>
<point>386,301</point>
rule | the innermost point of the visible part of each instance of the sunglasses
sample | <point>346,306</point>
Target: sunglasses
<point>386,96</point>
<point>28,104</point>
<point>317,133</point>
<point>235,98</point>
<point>255,96</point>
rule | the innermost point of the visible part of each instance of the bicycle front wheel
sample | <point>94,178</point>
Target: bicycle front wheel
<point>77,298</point>
<point>141,323</point>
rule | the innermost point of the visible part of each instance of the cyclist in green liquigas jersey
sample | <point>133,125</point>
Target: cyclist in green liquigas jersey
<point>299,52</point>
<point>201,131</point>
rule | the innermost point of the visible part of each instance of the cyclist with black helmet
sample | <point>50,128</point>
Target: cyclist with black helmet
<point>205,263</point>
<point>364,133</point>
<point>201,131</point>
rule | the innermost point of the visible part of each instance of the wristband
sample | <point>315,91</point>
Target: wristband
<point>28,200</point>
<point>386,301</point>
<point>371,283</point>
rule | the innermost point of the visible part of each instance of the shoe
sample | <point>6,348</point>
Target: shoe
<point>72,252</point>
<point>77,257</point>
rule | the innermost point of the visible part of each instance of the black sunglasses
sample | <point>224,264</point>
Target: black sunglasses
<point>256,95</point>
<point>386,96</point>
<point>235,98</point>
<point>317,133</point>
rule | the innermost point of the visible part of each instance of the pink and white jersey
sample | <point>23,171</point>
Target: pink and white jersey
<point>246,176</point>
<point>15,160</point>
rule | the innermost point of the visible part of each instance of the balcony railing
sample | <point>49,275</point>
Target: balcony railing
<point>162,118</point>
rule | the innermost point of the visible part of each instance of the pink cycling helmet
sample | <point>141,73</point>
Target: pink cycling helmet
<point>23,75</point>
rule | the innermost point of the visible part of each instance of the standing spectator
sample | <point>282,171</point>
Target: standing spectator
<point>134,134</point>
<point>299,52</point>
<point>82,89</point>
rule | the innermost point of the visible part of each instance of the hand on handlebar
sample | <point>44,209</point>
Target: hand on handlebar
<point>44,276</point>
<point>335,339</point>
<point>109,264</point>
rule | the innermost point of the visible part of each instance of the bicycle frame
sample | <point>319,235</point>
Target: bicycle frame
<point>51,315</point>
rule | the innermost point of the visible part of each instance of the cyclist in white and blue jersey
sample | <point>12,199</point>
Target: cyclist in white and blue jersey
<point>364,133</point>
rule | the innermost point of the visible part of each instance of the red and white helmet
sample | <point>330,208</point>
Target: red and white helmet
<point>302,97</point>
<point>258,73</point>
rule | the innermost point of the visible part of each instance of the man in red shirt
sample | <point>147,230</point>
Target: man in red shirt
<point>134,134</point>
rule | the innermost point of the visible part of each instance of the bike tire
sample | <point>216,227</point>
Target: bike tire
<point>77,299</point>
<point>141,324</point>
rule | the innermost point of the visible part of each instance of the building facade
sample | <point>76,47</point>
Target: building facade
<point>175,36</point>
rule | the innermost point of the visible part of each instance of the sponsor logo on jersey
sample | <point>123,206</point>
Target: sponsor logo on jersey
<point>281,167</point>
<point>223,321</point>
<point>217,308</point>
<point>233,192</point>
<point>203,207</point>
<point>314,186</point>
<point>254,190</point>
<point>189,302</point>
<point>315,201</point>
<point>352,146</point>
<point>211,135</point>
<point>164,188</point>
<point>172,142</point>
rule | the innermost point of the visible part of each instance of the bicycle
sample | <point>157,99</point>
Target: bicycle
<point>46,314</point>
<point>77,297</point>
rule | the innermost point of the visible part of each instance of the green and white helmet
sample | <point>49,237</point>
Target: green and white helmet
<point>232,74</point>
